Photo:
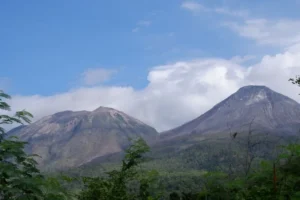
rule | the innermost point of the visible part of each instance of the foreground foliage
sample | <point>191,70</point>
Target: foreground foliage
<point>119,185</point>
<point>19,176</point>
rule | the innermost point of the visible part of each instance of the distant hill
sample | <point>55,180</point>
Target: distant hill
<point>260,106</point>
<point>70,139</point>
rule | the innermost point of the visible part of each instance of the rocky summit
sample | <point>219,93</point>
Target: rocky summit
<point>263,108</point>
<point>70,139</point>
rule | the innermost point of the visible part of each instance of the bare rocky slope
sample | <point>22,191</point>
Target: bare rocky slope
<point>260,106</point>
<point>70,139</point>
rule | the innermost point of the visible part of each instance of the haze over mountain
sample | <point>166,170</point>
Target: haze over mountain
<point>69,139</point>
<point>266,109</point>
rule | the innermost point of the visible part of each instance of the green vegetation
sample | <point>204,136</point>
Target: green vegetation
<point>296,80</point>
<point>19,176</point>
<point>123,184</point>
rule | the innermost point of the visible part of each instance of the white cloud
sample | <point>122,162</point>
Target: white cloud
<point>283,32</point>
<point>193,6</point>
<point>94,76</point>
<point>269,32</point>
<point>242,59</point>
<point>176,92</point>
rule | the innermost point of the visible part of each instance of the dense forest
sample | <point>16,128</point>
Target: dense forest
<point>253,167</point>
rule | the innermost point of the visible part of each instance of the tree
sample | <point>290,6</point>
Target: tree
<point>174,196</point>
<point>19,175</point>
<point>117,185</point>
<point>295,80</point>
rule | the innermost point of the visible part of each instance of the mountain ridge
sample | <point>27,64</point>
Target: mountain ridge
<point>71,138</point>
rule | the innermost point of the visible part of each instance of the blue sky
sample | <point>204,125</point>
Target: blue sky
<point>46,45</point>
<point>179,56</point>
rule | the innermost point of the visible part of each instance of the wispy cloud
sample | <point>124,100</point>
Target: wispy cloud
<point>136,29</point>
<point>141,24</point>
<point>144,23</point>
<point>234,13</point>
<point>95,76</point>
<point>282,32</point>
<point>268,32</point>
<point>196,7</point>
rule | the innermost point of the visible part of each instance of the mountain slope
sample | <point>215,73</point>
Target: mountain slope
<point>68,139</point>
<point>259,105</point>
<point>194,146</point>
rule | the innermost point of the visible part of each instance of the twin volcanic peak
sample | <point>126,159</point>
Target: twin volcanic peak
<point>68,139</point>
<point>264,108</point>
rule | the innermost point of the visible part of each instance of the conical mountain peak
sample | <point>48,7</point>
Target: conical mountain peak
<point>254,88</point>
<point>114,114</point>
<point>252,94</point>
<point>104,109</point>
<point>269,110</point>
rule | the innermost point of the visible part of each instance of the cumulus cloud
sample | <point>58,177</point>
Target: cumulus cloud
<point>176,92</point>
<point>271,32</point>
<point>94,76</point>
